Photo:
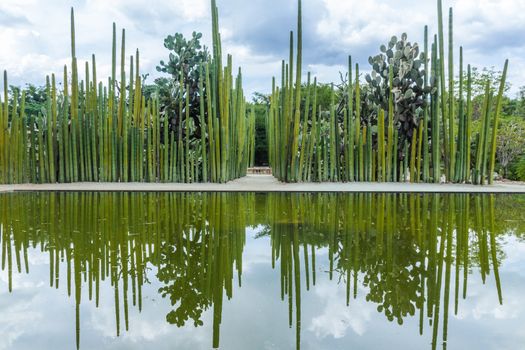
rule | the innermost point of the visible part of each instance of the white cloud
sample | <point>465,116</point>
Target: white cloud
<point>15,317</point>
<point>336,319</point>
<point>35,35</point>
<point>357,23</point>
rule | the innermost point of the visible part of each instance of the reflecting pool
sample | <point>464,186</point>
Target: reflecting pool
<point>262,271</point>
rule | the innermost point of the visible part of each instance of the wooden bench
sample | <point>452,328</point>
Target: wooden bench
<point>260,171</point>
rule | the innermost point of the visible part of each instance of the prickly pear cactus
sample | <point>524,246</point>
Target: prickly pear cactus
<point>407,86</point>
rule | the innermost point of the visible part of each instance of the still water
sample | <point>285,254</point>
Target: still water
<point>262,271</point>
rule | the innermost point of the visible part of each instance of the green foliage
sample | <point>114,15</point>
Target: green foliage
<point>510,145</point>
<point>520,109</point>
<point>480,77</point>
<point>516,106</point>
<point>260,98</point>
<point>261,136</point>
<point>35,98</point>
<point>324,95</point>
<point>519,170</point>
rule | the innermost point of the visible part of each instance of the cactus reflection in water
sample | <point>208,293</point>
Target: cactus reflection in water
<point>403,260</point>
<point>117,238</point>
<point>412,253</point>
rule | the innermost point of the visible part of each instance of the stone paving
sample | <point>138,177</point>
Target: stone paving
<point>266,183</point>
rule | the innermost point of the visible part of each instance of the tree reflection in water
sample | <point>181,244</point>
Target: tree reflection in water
<point>412,252</point>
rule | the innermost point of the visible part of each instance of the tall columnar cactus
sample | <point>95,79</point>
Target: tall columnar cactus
<point>286,113</point>
<point>451,101</point>
<point>442,84</point>
<point>495,122</point>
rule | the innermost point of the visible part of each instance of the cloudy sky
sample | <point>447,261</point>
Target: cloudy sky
<point>34,34</point>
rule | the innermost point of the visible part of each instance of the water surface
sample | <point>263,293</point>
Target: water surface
<point>262,271</point>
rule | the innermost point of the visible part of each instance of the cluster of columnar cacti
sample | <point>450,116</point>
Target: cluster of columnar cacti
<point>96,132</point>
<point>408,123</point>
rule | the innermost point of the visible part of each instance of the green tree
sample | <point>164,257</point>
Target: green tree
<point>186,59</point>
<point>479,81</point>
<point>261,136</point>
<point>519,170</point>
<point>510,142</point>
<point>35,98</point>
<point>520,103</point>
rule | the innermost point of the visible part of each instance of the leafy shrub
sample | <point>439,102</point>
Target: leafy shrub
<point>520,169</point>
